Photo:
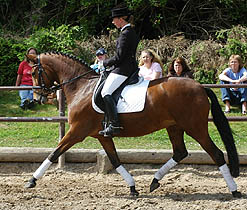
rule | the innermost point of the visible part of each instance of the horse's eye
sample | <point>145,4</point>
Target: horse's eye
<point>33,74</point>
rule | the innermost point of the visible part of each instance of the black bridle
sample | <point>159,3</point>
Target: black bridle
<point>54,88</point>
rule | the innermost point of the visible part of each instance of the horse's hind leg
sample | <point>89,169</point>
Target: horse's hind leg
<point>176,136</point>
<point>67,142</point>
<point>218,157</point>
<point>111,152</point>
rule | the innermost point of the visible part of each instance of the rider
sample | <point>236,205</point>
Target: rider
<point>122,65</point>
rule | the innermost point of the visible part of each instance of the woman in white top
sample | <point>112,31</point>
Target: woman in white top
<point>150,65</point>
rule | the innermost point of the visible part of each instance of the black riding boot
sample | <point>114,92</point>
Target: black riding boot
<point>111,112</point>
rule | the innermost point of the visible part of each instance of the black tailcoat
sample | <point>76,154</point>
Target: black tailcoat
<point>124,60</point>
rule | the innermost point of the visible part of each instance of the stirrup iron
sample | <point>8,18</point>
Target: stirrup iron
<point>110,131</point>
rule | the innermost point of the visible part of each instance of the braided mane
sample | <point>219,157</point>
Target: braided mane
<point>67,55</point>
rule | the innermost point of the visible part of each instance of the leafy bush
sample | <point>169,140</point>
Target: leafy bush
<point>62,39</point>
<point>13,49</point>
<point>205,76</point>
<point>205,61</point>
<point>235,40</point>
<point>10,55</point>
<point>207,58</point>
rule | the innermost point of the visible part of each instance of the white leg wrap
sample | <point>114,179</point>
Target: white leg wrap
<point>41,170</point>
<point>126,175</point>
<point>164,169</point>
<point>232,186</point>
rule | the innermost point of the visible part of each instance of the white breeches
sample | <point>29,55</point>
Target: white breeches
<point>112,82</point>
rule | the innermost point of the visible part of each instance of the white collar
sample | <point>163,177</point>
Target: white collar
<point>125,26</point>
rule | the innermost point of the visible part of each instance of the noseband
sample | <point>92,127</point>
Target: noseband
<point>54,88</point>
<point>44,90</point>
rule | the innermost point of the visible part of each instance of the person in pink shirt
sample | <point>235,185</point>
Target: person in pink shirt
<point>150,65</point>
<point>24,78</point>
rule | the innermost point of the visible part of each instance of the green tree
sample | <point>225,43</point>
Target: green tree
<point>197,19</point>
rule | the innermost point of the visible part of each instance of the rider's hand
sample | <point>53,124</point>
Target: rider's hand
<point>101,66</point>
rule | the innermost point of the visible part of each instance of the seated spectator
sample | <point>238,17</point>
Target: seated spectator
<point>234,74</point>
<point>100,56</point>
<point>179,68</point>
<point>24,78</point>
<point>150,65</point>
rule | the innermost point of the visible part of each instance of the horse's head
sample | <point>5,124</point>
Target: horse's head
<point>41,77</point>
<point>54,70</point>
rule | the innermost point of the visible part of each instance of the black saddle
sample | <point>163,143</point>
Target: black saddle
<point>133,79</point>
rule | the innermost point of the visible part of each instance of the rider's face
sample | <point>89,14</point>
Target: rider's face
<point>117,22</point>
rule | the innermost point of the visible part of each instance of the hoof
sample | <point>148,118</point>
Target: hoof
<point>31,183</point>
<point>236,194</point>
<point>235,174</point>
<point>154,185</point>
<point>133,191</point>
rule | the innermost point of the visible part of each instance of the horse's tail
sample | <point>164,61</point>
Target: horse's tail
<point>224,129</point>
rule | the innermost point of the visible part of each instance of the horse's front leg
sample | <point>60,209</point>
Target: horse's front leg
<point>67,142</point>
<point>111,152</point>
<point>179,153</point>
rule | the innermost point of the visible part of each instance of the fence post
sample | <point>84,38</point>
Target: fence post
<point>61,103</point>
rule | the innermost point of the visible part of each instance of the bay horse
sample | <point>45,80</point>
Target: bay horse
<point>180,105</point>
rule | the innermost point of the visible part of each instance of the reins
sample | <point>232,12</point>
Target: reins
<point>58,86</point>
<point>75,78</point>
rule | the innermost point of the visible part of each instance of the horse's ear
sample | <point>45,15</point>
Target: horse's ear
<point>32,58</point>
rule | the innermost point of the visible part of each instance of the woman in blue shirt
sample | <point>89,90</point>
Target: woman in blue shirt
<point>234,74</point>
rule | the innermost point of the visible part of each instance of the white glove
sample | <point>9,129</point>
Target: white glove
<point>101,66</point>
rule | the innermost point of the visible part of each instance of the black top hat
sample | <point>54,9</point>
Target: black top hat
<point>120,12</point>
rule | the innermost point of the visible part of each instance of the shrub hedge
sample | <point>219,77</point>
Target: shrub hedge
<point>207,58</point>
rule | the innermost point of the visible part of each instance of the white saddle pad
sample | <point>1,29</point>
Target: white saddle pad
<point>133,98</point>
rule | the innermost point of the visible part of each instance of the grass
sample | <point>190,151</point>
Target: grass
<point>30,134</point>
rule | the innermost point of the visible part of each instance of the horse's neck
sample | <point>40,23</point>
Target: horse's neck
<point>78,89</point>
<point>81,95</point>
